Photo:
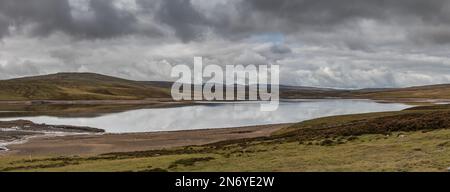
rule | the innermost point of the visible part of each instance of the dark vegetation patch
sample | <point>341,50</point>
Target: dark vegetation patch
<point>327,142</point>
<point>242,151</point>
<point>41,166</point>
<point>430,107</point>
<point>160,170</point>
<point>150,169</point>
<point>61,158</point>
<point>381,125</point>
<point>241,132</point>
<point>153,153</point>
<point>444,144</point>
<point>189,161</point>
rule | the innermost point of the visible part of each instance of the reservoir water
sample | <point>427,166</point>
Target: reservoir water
<point>217,115</point>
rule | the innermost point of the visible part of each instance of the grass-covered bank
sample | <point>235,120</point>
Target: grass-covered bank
<point>400,151</point>
<point>411,140</point>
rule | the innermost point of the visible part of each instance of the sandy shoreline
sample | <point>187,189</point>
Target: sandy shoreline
<point>92,144</point>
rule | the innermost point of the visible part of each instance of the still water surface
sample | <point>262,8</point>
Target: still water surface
<point>218,115</point>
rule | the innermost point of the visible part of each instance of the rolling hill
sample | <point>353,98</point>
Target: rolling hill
<point>441,91</point>
<point>91,86</point>
<point>78,86</point>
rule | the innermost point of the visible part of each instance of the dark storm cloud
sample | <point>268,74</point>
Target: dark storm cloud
<point>326,12</point>
<point>425,21</point>
<point>280,49</point>
<point>421,19</point>
<point>108,21</point>
<point>310,13</point>
<point>48,16</point>
<point>187,22</point>
<point>3,26</point>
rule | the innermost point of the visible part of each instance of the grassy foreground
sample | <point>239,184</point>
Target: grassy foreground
<point>414,151</point>
<point>410,140</point>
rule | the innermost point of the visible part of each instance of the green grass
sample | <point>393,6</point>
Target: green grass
<point>411,151</point>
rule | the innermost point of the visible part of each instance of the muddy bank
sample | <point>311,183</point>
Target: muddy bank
<point>92,144</point>
<point>19,130</point>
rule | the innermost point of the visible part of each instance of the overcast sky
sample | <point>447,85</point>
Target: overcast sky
<point>326,43</point>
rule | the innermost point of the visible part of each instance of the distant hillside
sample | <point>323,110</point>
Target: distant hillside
<point>299,92</point>
<point>421,92</point>
<point>91,86</point>
<point>78,86</point>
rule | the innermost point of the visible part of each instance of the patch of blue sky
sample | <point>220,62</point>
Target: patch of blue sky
<point>275,38</point>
